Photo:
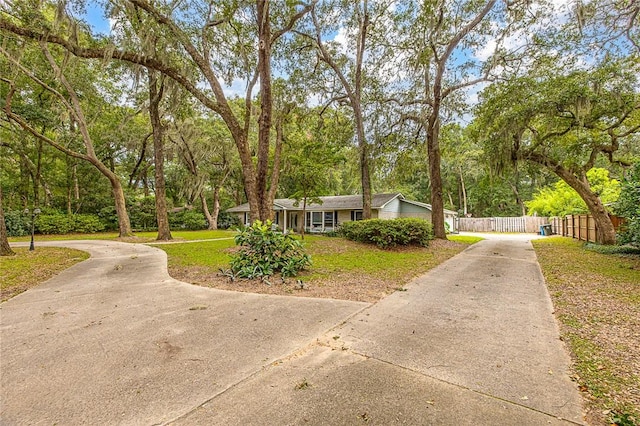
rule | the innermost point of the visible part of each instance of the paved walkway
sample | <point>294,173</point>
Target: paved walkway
<point>115,340</point>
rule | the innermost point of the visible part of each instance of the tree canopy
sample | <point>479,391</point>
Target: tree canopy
<point>470,105</point>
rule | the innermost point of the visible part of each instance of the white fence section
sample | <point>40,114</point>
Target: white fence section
<point>522,224</point>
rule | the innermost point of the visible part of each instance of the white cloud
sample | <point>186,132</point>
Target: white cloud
<point>342,40</point>
<point>486,51</point>
<point>238,87</point>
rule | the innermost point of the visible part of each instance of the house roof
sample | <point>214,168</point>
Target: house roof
<point>340,202</point>
<point>334,202</point>
<point>428,206</point>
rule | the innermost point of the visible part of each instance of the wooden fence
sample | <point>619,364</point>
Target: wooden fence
<point>580,226</point>
<point>522,224</point>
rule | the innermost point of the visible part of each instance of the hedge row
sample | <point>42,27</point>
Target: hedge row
<point>389,233</point>
<point>51,222</point>
<point>66,224</point>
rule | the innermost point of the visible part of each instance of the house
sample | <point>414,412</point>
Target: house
<point>334,210</point>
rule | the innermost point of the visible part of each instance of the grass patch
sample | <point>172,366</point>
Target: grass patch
<point>149,236</point>
<point>335,256</point>
<point>210,254</point>
<point>29,268</point>
<point>465,239</point>
<point>340,269</point>
<point>596,294</point>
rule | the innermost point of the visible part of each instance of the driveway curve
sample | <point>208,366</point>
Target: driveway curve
<point>115,340</point>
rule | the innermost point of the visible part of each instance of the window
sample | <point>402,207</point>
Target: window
<point>321,220</point>
<point>328,219</point>
<point>316,220</point>
<point>356,214</point>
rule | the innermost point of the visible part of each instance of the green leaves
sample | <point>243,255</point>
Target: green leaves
<point>628,206</point>
<point>561,199</point>
<point>389,233</point>
<point>265,251</point>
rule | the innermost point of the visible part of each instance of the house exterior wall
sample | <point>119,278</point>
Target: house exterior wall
<point>451,221</point>
<point>394,209</point>
<point>411,210</point>
<point>344,216</point>
<point>391,210</point>
<point>241,217</point>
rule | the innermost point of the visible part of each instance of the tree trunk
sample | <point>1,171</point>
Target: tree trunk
<point>435,176</point>
<point>365,175</point>
<point>304,216</point>
<point>76,187</point>
<point>36,175</point>
<point>5,248</point>
<point>464,193</point>
<point>211,222</point>
<point>277,158</point>
<point>162,216</point>
<point>266,109</point>
<point>124,225</point>
<point>605,231</point>
<point>216,206</point>
<point>357,109</point>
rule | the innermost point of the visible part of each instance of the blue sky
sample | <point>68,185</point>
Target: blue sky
<point>96,19</point>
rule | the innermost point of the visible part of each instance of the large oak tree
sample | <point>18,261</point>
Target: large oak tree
<point>220,43</point>
<point>567,124</point>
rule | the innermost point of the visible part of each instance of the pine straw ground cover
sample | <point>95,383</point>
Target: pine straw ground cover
<point>29,268</point>
<point>597,301</point>
<point>340,269</point>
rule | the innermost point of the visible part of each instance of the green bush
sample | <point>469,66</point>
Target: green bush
<point>17,223</point>
<point>389,233</point>
<point>228,220</point>
<point>142,213</point>
<point>265,252</point>
<point>628,206</point>
<point>188,219</point>
<point>109,218</point>
<point>64,224</point>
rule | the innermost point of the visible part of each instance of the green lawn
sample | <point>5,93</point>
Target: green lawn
<point>149,236</point>
<point>29,268</point>
<point>596,298</point>
<point>210,254</point>
<point>329,255</point>
<point>340,269</point>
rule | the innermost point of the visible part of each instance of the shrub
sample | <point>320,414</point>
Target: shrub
<point>17,223</point>
<point>628,206</point>
<point>228,220</point>
<point>142,213</point>
<point>109,218</point>
<point>389,233</point>
<point>188,219</point>
<point>58,223</point>
<point>264,252</point>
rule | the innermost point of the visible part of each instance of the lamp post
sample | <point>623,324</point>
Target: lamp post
<point>35,212</point>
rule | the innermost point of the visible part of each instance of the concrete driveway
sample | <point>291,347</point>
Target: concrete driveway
<point>115,340</point>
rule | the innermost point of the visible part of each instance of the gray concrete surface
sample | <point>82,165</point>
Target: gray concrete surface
<point>114,340</point>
